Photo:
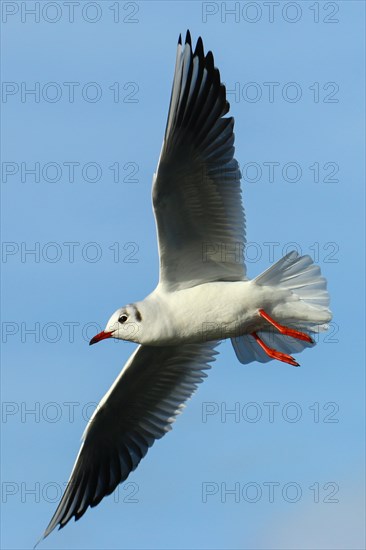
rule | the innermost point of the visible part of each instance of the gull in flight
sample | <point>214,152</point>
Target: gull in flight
<point>203,294</point>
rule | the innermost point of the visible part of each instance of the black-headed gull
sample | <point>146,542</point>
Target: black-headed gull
<point>203,293</point>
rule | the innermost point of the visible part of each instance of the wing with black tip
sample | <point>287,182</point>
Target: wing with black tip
<point>139,408</point>
<point>196,188</point>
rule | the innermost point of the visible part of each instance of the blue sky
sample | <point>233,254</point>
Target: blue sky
<point>296,83</point>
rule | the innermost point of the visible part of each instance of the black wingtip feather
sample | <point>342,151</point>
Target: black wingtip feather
<point>216,79</point>
<point>188,38</point>
<point>209,61</point>
<point>78,515</point>
<point>226,108</point>
<point>199,48</point>
<point>180,40</point>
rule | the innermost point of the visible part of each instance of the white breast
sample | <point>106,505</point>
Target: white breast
<point>206,312</point>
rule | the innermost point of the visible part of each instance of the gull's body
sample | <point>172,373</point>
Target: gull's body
<point>203,294</point>
<point>214,311</point>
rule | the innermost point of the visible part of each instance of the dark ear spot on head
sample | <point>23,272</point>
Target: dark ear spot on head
<point>138,315</point>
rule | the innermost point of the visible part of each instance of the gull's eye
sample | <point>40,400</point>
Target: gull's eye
<point>122,319</point>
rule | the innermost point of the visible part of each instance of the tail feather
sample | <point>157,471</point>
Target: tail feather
<point>300,276</point>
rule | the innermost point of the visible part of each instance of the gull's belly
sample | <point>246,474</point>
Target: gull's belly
<point>212,311</point>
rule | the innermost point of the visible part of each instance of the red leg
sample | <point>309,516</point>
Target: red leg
<point>285,330</point>
<point>275,354</point>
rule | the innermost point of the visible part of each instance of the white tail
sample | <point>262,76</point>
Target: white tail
<point>300,276</point>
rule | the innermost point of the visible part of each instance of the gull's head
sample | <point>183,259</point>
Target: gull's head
<point>124,324</point>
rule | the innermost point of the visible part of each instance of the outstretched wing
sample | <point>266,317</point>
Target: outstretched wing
<point>138,409</point>
<point>196,188</point>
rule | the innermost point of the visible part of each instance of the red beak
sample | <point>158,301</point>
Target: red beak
<point>101,336</point>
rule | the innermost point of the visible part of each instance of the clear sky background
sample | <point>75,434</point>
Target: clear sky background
<point>292,455</point>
